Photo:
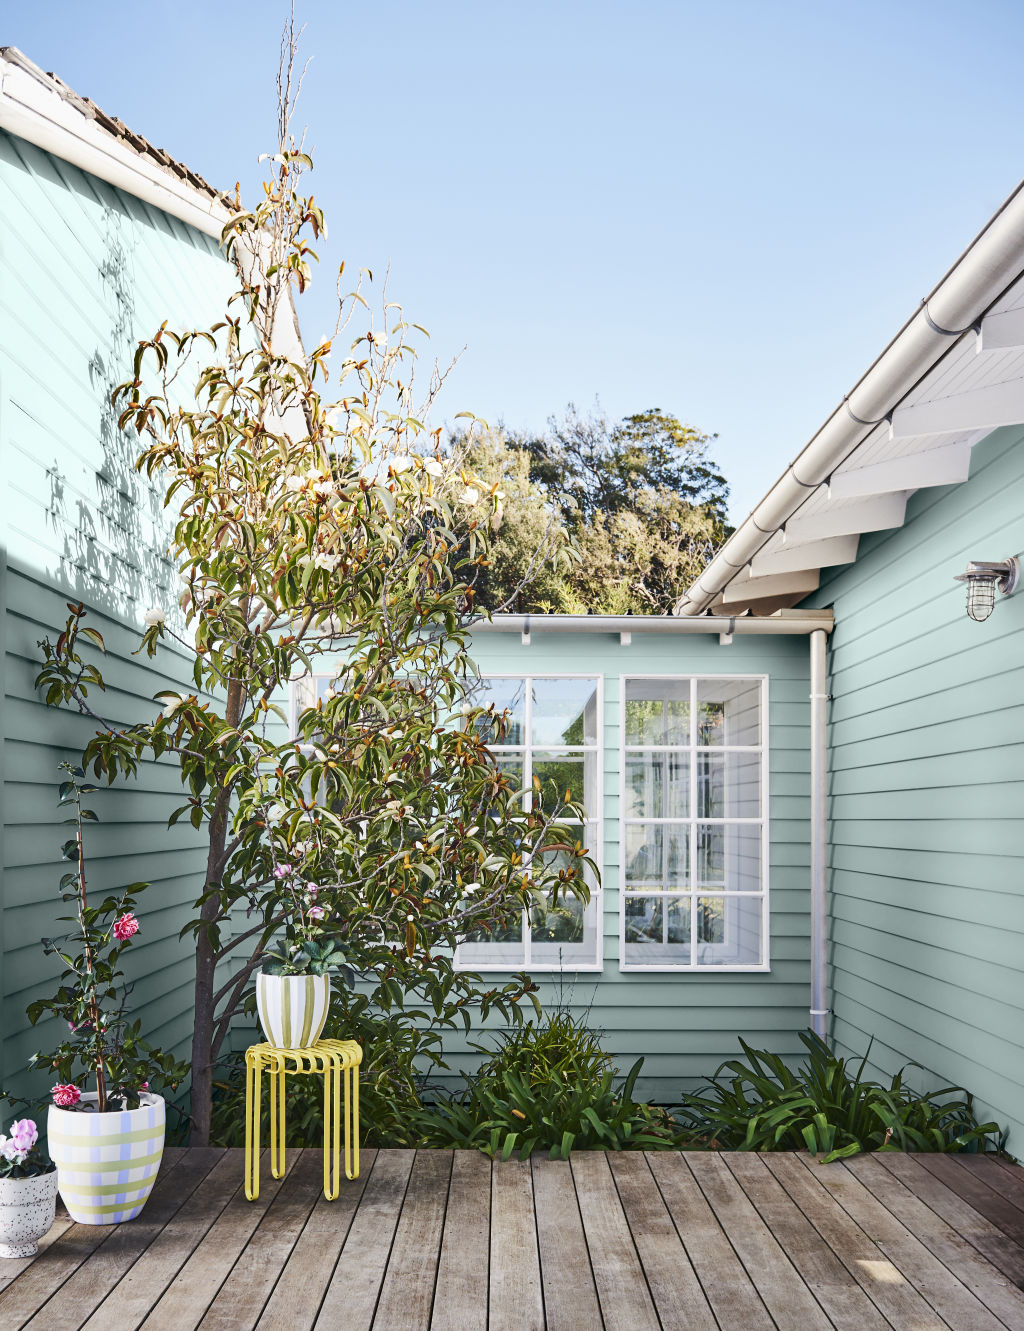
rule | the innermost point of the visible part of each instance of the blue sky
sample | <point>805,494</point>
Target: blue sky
<point>723,210</point>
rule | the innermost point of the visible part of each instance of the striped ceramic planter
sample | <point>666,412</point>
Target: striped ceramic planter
<point>106,1163</point>
<point>292,1008</point>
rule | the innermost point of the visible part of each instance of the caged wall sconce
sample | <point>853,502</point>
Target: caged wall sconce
<point>982,580</point>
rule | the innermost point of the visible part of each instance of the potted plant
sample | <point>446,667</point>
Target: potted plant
<point>293,988</point>
<point>28,1191</point>
<point>106,1143</point>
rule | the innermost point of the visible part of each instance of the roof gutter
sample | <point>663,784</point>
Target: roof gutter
<point>32,109</point>
<point>789,622</point>
<point>979,277</point>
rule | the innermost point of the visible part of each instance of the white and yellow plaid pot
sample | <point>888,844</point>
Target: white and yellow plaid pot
<point>292,1008</point>
<point>106,1163</point>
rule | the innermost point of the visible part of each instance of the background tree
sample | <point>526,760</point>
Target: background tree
<point>318,529</point>
<point>641,502</point>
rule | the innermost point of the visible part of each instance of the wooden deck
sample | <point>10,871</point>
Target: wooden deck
<point>627,1241</point>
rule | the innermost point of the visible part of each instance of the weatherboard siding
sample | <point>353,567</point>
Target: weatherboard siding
<point>684,1024</point>
<point>87,270</point>
<point>926,794</point>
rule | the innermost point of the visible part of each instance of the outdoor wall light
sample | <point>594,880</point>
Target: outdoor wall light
<point>982,580</point>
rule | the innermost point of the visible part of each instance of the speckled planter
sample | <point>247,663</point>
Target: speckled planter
<point>106,1163</point>
<point>26,1213</point>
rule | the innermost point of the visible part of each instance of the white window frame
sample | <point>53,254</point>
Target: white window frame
<point>593,827</point>
<point>694,967</point>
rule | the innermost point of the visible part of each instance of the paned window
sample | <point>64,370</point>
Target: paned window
<point>552,732</point>
<point>694,825</point>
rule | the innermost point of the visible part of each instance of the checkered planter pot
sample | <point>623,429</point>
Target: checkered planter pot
<point>106,1163</point>
<point>292,1008</point>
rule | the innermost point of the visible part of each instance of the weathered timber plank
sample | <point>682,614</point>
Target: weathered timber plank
<point>90,1284</point>
<point>515,1299</point>
<point>570,1297</point>
<point>888,1288</point>
<point>185,1301</point>
<point>953,1302</point>
<point>625,1300</point>
<point>407,1293</point>
<point>54,1264</point>
<point>896,1188</point>
<point>988,1238</point>
<point>460,1295</point>
<point>14,1266</point>
<point>242,1297</point>
<point>785,1295</point>
<point>1001,1176</point>
<point>845,1304</point>
<point>297,1296</point>
<point>733,1298</point>
<point>129,1302</point>
<point>976,1191</point>
<point>351,1297</point>
<point>679,1301</point>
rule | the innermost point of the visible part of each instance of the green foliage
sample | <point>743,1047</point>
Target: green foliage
<point>640,504</point>
<point>318,531</point>
<point>827,1108</point>
<point>103,1045</point>
<point>548,1087</point>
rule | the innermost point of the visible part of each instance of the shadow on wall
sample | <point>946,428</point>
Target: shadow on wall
<point>113,548</point>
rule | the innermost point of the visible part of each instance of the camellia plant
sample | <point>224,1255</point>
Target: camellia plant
<point>321,535</point>
<point>102,1046</point>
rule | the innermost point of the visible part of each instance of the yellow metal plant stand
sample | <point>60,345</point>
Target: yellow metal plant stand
<point>337,1061</point>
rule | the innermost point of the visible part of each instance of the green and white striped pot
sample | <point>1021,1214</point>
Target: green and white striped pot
<point>106,1163</point>
<point>292,1008</point>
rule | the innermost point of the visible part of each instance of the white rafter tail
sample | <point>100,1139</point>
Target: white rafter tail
<point>977,409</point>
<point>800,582</point>
<point>1002,330</point>
<point>947,465</point>
<point>876,514</point>
<point>789,558</point>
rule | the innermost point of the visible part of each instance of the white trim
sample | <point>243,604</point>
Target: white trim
<point>692,889</point>
<point>593,825</point>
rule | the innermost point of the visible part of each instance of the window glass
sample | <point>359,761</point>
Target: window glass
<point>549,748</point>
<point>693,831</point>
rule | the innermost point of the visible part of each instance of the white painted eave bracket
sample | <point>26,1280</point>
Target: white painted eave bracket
<point>741,590</point>
<point>999,331</point>
<point>949,464</point>
<point>978,409</point>
<point>790,557</point>
<point>876,514</point>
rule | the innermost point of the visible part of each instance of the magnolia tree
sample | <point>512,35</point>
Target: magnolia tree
<point>318,531</point>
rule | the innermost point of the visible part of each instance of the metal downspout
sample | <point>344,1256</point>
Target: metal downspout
<point>819,836</point>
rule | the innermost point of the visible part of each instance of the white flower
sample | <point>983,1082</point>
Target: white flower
<point>324,487</point>
<point>329,562</point>
<point>155,616</point>
<point>294,483</point>
<point>433,468</point>
<point>470,888</point>
<point>171,706</point>
<point>379,340</point>
<point>402,462</point>
<point>469,496</point>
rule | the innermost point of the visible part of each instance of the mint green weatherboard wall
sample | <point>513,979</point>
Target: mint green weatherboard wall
<point>685,1024</point>
<point>86,271</point>
<point>927,793</point>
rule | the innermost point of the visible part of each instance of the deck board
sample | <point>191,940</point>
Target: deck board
<point>441,1240</point>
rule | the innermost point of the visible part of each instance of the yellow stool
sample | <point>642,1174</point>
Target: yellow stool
<point>333,1060</point>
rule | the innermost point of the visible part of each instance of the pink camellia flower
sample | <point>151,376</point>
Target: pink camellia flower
<point>144,1086</point>
<point>316,912</point>
<point>312,891</point>
<point>282,870</point>
<point>24,1134</point>
<point>126,927</point>
<point>65,1096</point>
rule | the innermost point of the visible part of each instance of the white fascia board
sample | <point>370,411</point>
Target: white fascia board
<point>791,557</point>
<point>876,514</point>
<point>977,409</point>
<point>742,590</point>
<point>1001,330</point>
<point>948,464</point>
<point>31,111</point>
